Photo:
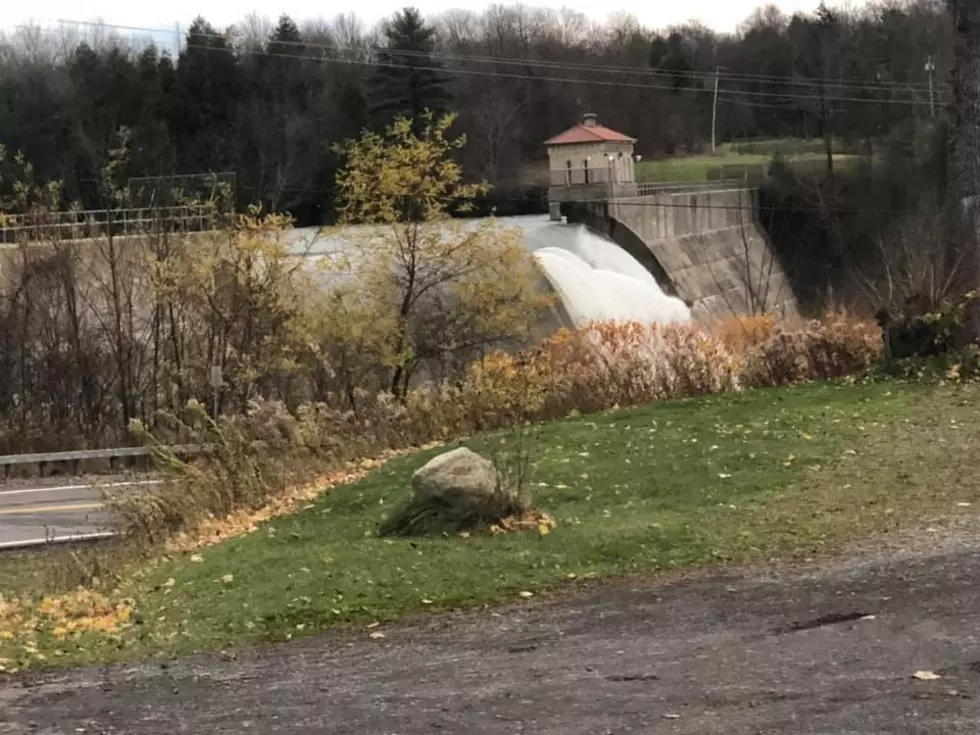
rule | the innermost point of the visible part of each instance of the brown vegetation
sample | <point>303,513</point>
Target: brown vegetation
<point>268,449</point>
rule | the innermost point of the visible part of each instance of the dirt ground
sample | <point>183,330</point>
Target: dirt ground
<point>754,652</point>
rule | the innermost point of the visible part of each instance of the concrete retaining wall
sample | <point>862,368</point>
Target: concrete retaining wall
<point>704,247</point>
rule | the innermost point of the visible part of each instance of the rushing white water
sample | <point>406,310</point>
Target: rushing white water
<point>594,278</point>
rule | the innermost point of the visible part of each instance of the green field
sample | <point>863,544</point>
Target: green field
<point>760,475</point>
<point>738,160</point>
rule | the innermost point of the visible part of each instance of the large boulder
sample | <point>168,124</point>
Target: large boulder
<point>462,478</point>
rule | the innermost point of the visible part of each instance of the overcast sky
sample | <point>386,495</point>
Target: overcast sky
<point>722,15</point>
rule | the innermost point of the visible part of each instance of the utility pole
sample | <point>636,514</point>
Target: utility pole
<point>217,383</point>
<point>714,111</point>
<point>930,68</point>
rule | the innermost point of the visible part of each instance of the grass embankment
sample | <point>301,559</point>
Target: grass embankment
<point>763,474</point>
<point>734,160</point>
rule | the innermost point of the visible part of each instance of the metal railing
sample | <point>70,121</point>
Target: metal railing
<point>577,178</point>
<point>680,187</point>
<point>94,223</point>
<point>76,456</point>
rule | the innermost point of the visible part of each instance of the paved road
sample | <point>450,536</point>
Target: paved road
<point>56,508</point>
<point>725,656</point>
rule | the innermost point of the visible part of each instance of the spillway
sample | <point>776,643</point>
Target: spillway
<point>594,279</point>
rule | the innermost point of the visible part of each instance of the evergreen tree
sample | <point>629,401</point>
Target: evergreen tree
<point>671,56</point>
<point>207,90</point>
<point>408,80</point>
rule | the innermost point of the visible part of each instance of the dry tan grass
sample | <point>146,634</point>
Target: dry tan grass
<point>213,530</point>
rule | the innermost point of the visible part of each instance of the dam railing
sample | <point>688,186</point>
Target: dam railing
<point>83,224</point>
<point>682,187</point>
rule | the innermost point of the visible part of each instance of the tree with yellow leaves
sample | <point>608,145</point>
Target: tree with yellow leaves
<point>448,291</point>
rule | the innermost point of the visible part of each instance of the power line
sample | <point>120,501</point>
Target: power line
<point>557,80</point>
<point>852,84</point>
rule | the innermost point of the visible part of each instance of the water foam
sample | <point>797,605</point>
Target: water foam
<point>594,278</point>
<point>597,280</point>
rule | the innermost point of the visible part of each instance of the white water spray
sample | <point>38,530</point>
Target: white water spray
<point>594,278</point>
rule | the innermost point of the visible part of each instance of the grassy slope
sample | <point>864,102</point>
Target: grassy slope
<point>752,154</point>
<point>766,473</point>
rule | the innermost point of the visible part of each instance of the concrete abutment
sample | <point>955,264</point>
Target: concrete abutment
<point>704,247</point>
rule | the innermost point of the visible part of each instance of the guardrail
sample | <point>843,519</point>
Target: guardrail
<point>77,456</point>
<point>84,224</point>
<point>681,187</point>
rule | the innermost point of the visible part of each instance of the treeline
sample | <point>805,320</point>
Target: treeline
<point>269,102</point>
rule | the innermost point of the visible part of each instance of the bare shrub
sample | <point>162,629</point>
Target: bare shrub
<point>247,459</point>
<point>254,456</point>
<point>918,265</point>
<point>832,347</point>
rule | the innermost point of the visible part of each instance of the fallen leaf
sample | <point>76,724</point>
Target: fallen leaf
<point>228,578</point>
<point>926,676</point>
<point>525,594</point>
<point>170,582</point>
<point>426,601</point>
<point>963,505</point>
<point>671,716</point>
<point>197,558</point>
<point>377,635</point>
<point>723,475</point>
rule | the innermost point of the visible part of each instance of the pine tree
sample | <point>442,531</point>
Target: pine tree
<point>207,91</point>
<point>408,80</point>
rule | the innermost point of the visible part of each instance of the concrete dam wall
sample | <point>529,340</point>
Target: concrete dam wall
<point>704,247</point>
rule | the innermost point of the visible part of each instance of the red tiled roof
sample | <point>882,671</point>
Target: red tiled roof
<point>582,133</point>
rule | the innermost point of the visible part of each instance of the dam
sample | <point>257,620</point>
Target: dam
<point>701,241</point>
<point>611,249</point>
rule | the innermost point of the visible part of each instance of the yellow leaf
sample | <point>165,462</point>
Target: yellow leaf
<point>228,578</point>
<point>543,529</point>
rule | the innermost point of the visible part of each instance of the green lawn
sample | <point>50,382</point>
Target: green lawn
<point>726,164</point>
<point>740,158</point>
<point>770,473</point>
